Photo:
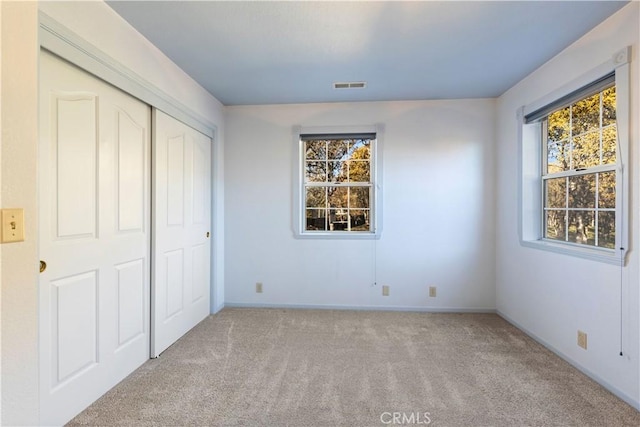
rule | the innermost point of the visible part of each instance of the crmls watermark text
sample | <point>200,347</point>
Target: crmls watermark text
<point>404,418</point>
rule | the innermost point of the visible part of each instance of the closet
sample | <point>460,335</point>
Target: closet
<point>124,235</point>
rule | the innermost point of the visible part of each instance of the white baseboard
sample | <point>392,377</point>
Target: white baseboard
<point>361,307</point>
<point>217,308</point>
<point>604,383</point>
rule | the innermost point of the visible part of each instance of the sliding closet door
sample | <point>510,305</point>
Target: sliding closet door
<point>182,218</point>
<point>94,234</point>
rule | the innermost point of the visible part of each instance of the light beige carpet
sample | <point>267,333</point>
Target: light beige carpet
<point>274,367</point>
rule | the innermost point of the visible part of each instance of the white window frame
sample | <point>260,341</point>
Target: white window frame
<point>375,203</point>
<point>530,136</point>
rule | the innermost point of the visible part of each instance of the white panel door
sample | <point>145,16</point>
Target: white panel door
<point>182,217</point>
<point>94,183</point>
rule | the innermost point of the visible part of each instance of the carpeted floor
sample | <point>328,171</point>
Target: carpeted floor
<point>275,367</point>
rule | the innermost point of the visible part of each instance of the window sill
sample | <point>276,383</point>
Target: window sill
<point>337,235</point>
<point>609,256</point>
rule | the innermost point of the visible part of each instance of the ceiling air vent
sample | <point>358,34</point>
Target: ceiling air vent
<point>350,85</point>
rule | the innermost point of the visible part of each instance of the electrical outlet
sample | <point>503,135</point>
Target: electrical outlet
<point>259,287</point>
<point>432,291</point>
<point>385,291</point>
<point>582,339</point>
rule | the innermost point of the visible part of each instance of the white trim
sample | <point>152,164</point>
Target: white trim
<point>360,307</point>
<point>297,187</point>
<point>591,253</point>
<point>530,205</point>
<point>613,389</point>
<point>621,57</point>
<point>217,308</point>
<point>66,44</point>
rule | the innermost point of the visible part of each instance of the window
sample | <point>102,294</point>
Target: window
<point>579,170</point>
<point>337,185</point>
<point>574,146</point>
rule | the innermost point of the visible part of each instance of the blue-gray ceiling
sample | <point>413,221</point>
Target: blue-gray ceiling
<point>265,52</point>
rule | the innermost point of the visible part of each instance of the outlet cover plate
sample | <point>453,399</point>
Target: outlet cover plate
<point>582,339</point>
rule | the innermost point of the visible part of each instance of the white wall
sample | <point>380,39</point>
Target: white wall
<point>0,205</point>
<point>438,219</point>
<point>551,295</point>
<point>19,123</point>
<point>99,25</point>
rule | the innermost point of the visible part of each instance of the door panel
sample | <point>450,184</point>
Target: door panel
<point>199,256</point>
<point>175,181</point>
<point>175,283</point>
<point>131,168</point>
<point>75,147</point>
<point>131,300</point>
<point>94,184</point>
<point>182,207</point>
<point>75,315</point>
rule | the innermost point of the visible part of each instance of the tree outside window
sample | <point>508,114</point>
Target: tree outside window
<point>579,179</point>
<point>338,183</point>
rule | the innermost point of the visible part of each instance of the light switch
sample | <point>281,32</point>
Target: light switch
<point>12,225</point>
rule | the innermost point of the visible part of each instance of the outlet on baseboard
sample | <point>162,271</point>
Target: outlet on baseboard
<point>432,291</point>
<point>385,290</point>
<point>259,287</point>
<point>582,339</point>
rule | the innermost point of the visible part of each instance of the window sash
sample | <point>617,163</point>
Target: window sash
<point>337,184</point>
<point>306,184</point>
<point>570,137</point>
<point>596,170</point>
<point>540,116</point>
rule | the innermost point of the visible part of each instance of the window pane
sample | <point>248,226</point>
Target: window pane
<point>555,191</point>
<point>338,219</point>
<point>337,149</point>
<point>609,106</point>
<point>359,197</point>
<point>607,190</point>
<point>607,229</point>
<point>315,172</point>
<point>582,191</point>
<point>558,125</point>
<point>359,219</point>
<point>359,149</point>
<point>316,197</point>
<point>586,150</point>
<point>555,225</point>
<point>609,139</point>
<point>316,150</point>
<point>581,227</point>
<point>585,115</point>
<point>338,172</point>
<point>316,219</point>
<point>337,197</point>
<point>359,171</point>
<point>557,156</point>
